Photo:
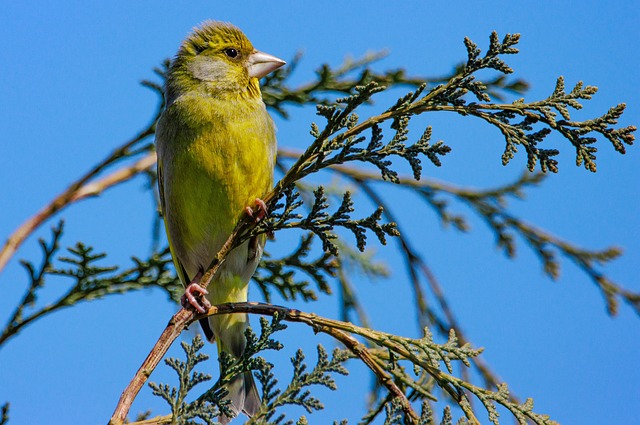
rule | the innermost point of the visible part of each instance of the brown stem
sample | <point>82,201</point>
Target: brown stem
<point>182,319</point>
<point>363,353</point>
<point>325,326</point>
<point>79,189</point>
<point>175,326</point>
<point>119,176</point>
<point>158,420</point>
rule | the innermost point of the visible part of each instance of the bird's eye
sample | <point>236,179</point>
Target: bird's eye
<point>231,52</point>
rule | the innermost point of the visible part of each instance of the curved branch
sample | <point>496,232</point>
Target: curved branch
<point>174,328</point>
<point>339,330</point>
<point>80,189</point>
<point>158,420</point>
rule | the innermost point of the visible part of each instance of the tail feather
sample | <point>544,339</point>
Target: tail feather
<point>243,393</point>
<point>244,397</point>
<point>252,401</point>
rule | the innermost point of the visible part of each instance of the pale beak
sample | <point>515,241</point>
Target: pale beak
<point>260,64</point>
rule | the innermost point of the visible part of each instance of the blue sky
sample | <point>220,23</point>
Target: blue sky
<point>70,94</point>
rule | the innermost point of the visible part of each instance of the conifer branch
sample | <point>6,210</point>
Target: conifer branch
<point>277,94</point>
<point>297,391</point>
<point>340,140</point>
<point>491,205</point>
<point>91,280</point>
<point>86,186</point>
<point>188,379</point>
<point>4,419</point>
<point>422,353</point>
<point>344,138</point>
<point>280,274</point>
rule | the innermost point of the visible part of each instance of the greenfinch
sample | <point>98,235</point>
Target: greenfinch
<point>216,149</point>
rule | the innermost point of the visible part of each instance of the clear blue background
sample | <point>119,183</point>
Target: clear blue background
<point>69,94</point>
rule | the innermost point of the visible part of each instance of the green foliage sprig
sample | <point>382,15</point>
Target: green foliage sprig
<point>280,273</point>
<point>450,97</point>
<point>4,419</point>
<point>322,223</point>
<point>394,415</point>
<point>183,412</point>
<point>90,280</point>
<point>387,358</point>
<point>297,391</point>
<point>212,402</point>
<point>329,81</point>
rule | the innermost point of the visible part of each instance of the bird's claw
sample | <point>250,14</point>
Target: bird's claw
<point>198,301</point>
<point>259,213</point>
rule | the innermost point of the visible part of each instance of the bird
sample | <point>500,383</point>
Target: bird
<point>216,149</point>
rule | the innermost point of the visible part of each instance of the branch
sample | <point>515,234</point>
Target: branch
<point>341,80</point>
<point>490,205</point>
<point>338,330</point>
<point>180,321</point>
<point>174,328</point>
<point>91,280</point>
<point>422,353</point>
<point>81,189</point>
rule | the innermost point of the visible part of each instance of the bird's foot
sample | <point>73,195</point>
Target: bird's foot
<point>194,296</point>
<point>259,213</point>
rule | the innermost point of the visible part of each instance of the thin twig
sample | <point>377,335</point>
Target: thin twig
<point>362,352</point>
<point>342,331</point>
<point>176,325</point>
<point>79,189</point>
<point>158,420</point>
<point>121,175</point>
<point>174,328</point>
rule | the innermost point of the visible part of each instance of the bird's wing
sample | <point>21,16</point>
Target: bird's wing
<point>182,274</point>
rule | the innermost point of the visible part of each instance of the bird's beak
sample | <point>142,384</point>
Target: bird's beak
<point>260,64</point>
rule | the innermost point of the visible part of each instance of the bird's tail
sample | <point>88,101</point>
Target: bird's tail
<point>230,338</point>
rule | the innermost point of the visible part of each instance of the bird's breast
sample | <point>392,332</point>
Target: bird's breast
<point>217,162</point>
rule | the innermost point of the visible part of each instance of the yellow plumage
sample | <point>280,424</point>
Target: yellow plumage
<point>216,149</point>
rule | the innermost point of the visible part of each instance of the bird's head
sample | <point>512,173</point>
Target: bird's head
<point>218,59</point>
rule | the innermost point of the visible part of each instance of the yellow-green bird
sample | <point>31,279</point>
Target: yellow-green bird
<point>216,149</point>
